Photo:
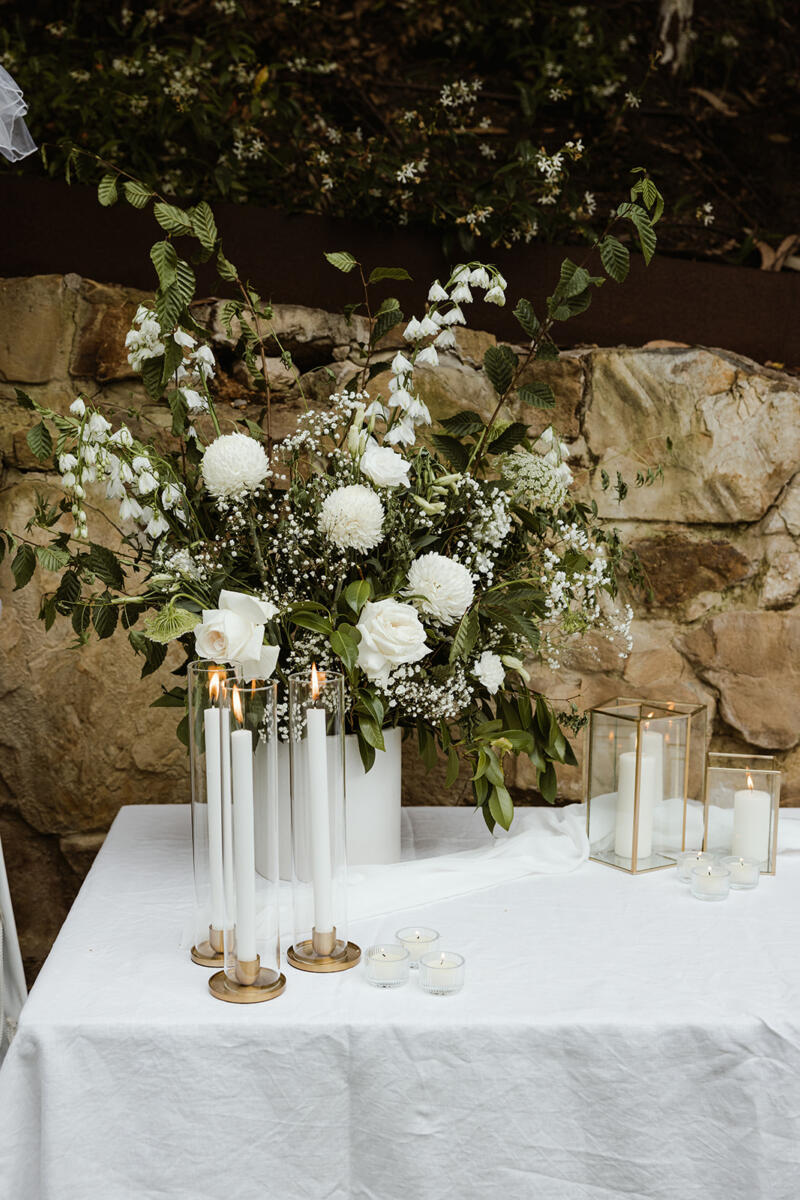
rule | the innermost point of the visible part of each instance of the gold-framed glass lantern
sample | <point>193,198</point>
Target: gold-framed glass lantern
<point>743,793</point>
<point>645,782</point>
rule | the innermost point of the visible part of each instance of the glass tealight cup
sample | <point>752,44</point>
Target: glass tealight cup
<point>387,965</point>
<point>711,881</point>
<point>441,973</point>
<point>417,941</point>
<point>690,859</point>
<point>745,872</point>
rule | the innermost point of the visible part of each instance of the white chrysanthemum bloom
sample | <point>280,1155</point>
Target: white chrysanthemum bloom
<point>391,635</point>
<point>436,293</point>
<point>233,465</point>
<point>441,587</point>
<point>77,408</point>
<point>489,671</point>
<point>384,466</point>
<point>495,295</point>
<point>412,330</point>
<point>352,517</point>
<point>531,476</point>
<point>427,356</point>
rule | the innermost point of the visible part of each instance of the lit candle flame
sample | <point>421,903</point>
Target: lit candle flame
<point>236,705</point>
<point>749,781</point>
<point>317,680</point>
<point>214,681</point>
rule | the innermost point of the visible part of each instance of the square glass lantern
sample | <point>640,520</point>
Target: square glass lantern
<point>645,781</point>
<point>743,793</point>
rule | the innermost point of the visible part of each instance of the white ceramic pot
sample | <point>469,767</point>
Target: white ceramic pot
<point>373,805</point>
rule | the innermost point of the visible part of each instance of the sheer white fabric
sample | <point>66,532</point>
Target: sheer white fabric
<point>15,140</point>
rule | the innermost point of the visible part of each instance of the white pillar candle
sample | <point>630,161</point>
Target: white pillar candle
<point>227,820</point>
<point>751,821</point>
<point>212,728</point>
<point>244,844</point>
<point>653,744</point>
<point>320,818</point>
<point>623,841</point>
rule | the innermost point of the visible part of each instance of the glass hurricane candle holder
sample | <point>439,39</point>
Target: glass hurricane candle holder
<point>211,806</point>
<point>387,966</point>
<point>743,793</point>
<point>319,840</point>
<point>644,782</point>
<point>251,938</point>
<point>441,973</point>
<point>417,941</point>
<point>710,881</point>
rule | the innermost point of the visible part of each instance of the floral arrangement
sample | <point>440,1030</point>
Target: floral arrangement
<point>425,563</point>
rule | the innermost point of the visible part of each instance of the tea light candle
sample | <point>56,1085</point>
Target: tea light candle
<point>690,859</point>
<point>745,872</point>
<point>711,881</point>
<point>441,973</point>
<point>417,942</point>
<point>387,966</point>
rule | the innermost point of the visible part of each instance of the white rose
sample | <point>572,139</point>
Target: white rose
<point>489,671</point>
<point>384,466</point>
<point>442,586</point>
<point>234,633</point>
<point>391,634</point>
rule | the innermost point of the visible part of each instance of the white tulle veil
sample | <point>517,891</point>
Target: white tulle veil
<point>15,141</point>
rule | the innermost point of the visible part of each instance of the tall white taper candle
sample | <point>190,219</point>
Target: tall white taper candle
<point>244,843</point>
<point>212,726</point>
<point>319,818</point>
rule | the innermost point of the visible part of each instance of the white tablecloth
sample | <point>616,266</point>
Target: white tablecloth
<point>615,1038</point>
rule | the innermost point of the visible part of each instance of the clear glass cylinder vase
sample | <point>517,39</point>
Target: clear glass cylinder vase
<point>319,835</point>
<point>210,781</point>
<point>251,934</point>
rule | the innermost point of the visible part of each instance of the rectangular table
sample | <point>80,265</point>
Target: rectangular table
<point>615,1038</point>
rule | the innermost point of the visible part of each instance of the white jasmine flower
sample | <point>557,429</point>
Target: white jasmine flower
<point>445,339</point>
<point>156,526</point>
<point>115,490</point>
<point>489,671</point>
<point>391,635</point>
<point>428,327</point>
<point>441,586</point>
<point>204,361</point>
<point>412,331</point>
<point>77,408</point>
<point>66,462</point>
<point>401,396</point>
<point>98,427</point>
<point>461,274</point>
<point>352,517</point>
<point>184,339</point>
<point>437,294</point>
<point>495,295</point>
<point>480,278</point>
<point>401,365</point>
<point>90,455</point>
<point>429,356</point>
<point>384,466</point>
<point>233,464</point>
<point>170,496</point>
<point>461,294</point>
<point>417,411</point>
<point>130,509</point>
<point>141,463</point>
<point>68,479</point>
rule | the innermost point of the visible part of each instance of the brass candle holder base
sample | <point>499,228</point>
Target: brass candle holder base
<point>251,986</point>
<point>319,954</point>
<point>210,953</point>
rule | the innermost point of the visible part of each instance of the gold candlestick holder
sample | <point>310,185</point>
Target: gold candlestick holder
<point>210,953</point>
<point>323,953</point>
<point>253,984</point>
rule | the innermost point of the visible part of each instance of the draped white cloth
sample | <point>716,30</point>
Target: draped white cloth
<point>15,140</point>
<point>615,1039</point>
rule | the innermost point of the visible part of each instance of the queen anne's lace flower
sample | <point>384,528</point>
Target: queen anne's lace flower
<point>233,465</point>
<point>541,482</point>
<point>440,586</point>
<point>489,671</point>
<point>352,517</point>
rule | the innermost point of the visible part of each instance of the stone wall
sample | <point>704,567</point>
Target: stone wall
<point>719,538</point>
